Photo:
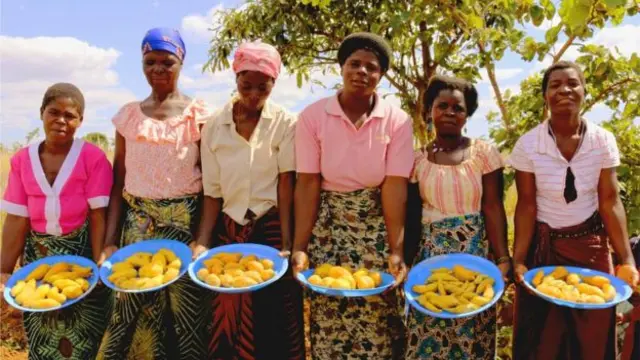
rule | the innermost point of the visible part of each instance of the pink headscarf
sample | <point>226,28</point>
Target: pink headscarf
<point>257,56</point>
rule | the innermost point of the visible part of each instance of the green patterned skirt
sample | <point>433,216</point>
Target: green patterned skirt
<point>75,331</point>
<point>350,231</point>
<point>472,338</point>
<point>170,323</point>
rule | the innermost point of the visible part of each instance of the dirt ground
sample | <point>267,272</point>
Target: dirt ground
<point>13,341</point>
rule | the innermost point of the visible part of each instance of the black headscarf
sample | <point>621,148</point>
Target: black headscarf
<point>366,41</point>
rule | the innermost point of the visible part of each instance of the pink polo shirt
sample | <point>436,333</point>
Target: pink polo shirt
<point>83,183</point>
<point>350,159</point>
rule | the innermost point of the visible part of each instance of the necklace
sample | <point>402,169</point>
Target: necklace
<point>440,148</point>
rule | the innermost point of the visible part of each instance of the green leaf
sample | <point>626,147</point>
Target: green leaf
<point>537,15</point>
<point>551,36</point>
<point>575,13</point>
<point>549,8</point>
<point>615,3</point>
<point>299,79</point>
<point>475,21</point>
<point>630,109</point>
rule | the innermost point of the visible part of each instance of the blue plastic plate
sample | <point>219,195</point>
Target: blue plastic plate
<point>23,272</point>
<point>623,291</point>
<point>387,281</point>
<point>280,265</point>
<point>419,274</point>
<point>181,250</point>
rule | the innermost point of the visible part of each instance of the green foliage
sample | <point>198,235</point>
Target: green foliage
<point>98,139</point>
<point>459,37</point>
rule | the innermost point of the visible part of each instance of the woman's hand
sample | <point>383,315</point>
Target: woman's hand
<point>505,270</point>
<point>197,249</point>
<point>299,262</point>
<point>629,274</point>
<point>4,277</point>
<point>106,253</point>
<point>518,272</point>
<point>397,268</point>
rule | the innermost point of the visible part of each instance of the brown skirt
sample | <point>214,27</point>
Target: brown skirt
<point>265,324</point>
<point>546,331</point>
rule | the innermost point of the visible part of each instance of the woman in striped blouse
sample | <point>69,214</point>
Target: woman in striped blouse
<point>460,185</point>
<point>568,213</point>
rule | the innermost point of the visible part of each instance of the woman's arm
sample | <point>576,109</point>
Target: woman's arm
<point>495,217</point>
<point>394,205</point>
<point>14,234</point>
<point>116,202</point>
<point>613,216</point>
<point>306,201</point>
<point>413,224</point>
<point>615,223</point>
<point>97,228</point>
<point>525,220</point>
<point>286,183</point>
<point>210,212</point>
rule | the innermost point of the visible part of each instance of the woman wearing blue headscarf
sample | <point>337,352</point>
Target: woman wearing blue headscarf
<point>157,187</point>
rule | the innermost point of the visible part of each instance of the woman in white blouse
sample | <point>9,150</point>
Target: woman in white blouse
<point>568,213</point>
<point>248,171</point>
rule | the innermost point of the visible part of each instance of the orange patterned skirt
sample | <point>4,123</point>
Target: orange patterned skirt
<point>265,324</point>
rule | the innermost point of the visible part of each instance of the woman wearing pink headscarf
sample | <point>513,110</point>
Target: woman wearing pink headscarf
<point>248,170</point>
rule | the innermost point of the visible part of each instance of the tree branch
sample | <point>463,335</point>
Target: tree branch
<point>563,49</point>
<point>490,67</point>
<point>426,51</point>
<point>394,82</point>
<point>606,92</point>
<point>415,60</point>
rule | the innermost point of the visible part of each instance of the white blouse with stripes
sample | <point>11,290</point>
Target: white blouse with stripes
<point>536,152</point>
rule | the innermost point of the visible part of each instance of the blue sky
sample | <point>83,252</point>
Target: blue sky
<point>96,45</point>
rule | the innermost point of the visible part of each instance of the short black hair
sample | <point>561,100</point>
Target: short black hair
<point>65,90</point>
<point>561,65</point>
<point>366,41</point>
<point>442,82</point>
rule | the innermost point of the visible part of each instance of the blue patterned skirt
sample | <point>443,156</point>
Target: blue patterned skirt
<point>472,338</point>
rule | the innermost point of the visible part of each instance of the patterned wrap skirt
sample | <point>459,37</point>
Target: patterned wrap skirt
<point>469,338</point>
<point>351,231</point>
<point>265,324</point>
<point>75,331</point>
<point>542,330</point>
<point>170,323</point>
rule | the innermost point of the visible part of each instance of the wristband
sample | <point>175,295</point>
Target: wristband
<point>503,259</point>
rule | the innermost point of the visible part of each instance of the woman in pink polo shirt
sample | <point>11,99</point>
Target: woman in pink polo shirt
<point>354,154</point>
<point>568,213</point>
<point>55,201</point>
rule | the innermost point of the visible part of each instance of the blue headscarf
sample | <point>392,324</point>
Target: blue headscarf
<point>165,39</point>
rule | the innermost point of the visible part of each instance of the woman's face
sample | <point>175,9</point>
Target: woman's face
<point>361,73</point>
<point>254,89</point>
<point>61,118</point>
<point>565,92</point>
<point>449,112</point>
<point>162,70</point>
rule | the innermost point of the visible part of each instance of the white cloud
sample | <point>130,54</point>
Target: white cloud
<point>30,65</point>
<point>197,27</point>
<point>621,36</point>
<point>501,74</point>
